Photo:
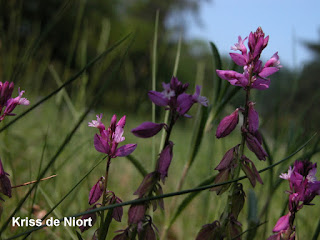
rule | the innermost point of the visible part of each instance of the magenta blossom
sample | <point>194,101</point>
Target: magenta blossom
<point>254,74</point>
<point>147,129</point>
<point>165,161</point>
<point>108,140</point>
<point>96,191</point>
<point>227,124</point>
<point>7,102</point>
<point>174,97</point>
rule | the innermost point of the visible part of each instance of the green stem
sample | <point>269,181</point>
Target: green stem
<point>236,172</point>
<point>102,230</point>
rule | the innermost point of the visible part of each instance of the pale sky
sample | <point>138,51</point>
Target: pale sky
<point>282,20</point>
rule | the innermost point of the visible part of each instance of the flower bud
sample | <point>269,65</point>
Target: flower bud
<point>147,129</point>
<point>136,213</point>
<point>227,124</point>
<point>227,159</point>
<point>165,161</point>
<point>96,191</point>
<point>93,216</point>
<point>255,147</point>
<point>253,119</point>
<point>210,231</point>
<point>5,184</point>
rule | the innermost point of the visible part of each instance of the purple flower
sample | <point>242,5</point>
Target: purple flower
<point>108,140</point>
<point>164,161</point>
<point>254,75</point>
<point>146,230</point>
<point>228,158</point>
<point>227,124</point>
<point>9,103</point>
<point>282,224</point>
<point>147,184</point>
<point>147,129</point>
<point>124,235</point>
<point>250,170</point>
<point>234,78</point>
<point>174,97</point>
<point>210,231</point>
<point>96,191</point>
<point>5,184</point>
<point>117,213</point>
<point>253,119</point>
<point>200,99</point>
<point>136,213</point>
<point>255,146</point>
<point>93,216</point>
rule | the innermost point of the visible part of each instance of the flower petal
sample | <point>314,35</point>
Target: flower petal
<point>158,98</point>
<point>125,150</point>
<point>147,129</point>
<point>238,59</point>
<point>100,144</point>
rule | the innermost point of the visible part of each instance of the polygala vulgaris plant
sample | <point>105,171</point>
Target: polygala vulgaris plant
<point>7,105</point>
<point>304,187</point>
<point>175,100</point>
<point>107,142</point>
<point>254,76</point>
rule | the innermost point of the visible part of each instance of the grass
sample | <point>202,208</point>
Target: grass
<point>23,147</point>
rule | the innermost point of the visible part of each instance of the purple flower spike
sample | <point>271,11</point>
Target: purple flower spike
<point>164,161</point>
<point>5,184</point>
<point>282,224</point>
<point>255,146</point>
<point>227,124</point>
<point>96,191</point>
<point>147,129</point>
<point>253,119</point>
<point>136,213</point>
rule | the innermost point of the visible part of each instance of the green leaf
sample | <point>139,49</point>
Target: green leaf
<point>252,214</point>
<point>106,223</point>
<point>216,65</point>
<point>316,232</point>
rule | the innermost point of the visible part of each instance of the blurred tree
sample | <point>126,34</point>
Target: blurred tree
<point>81,21</point>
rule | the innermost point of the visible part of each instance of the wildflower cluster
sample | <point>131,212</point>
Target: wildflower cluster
<point>107,142</point>
<point>254,76</point>
<point>175,99</point>
<point>7,103</point>
<point>303,189</point>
